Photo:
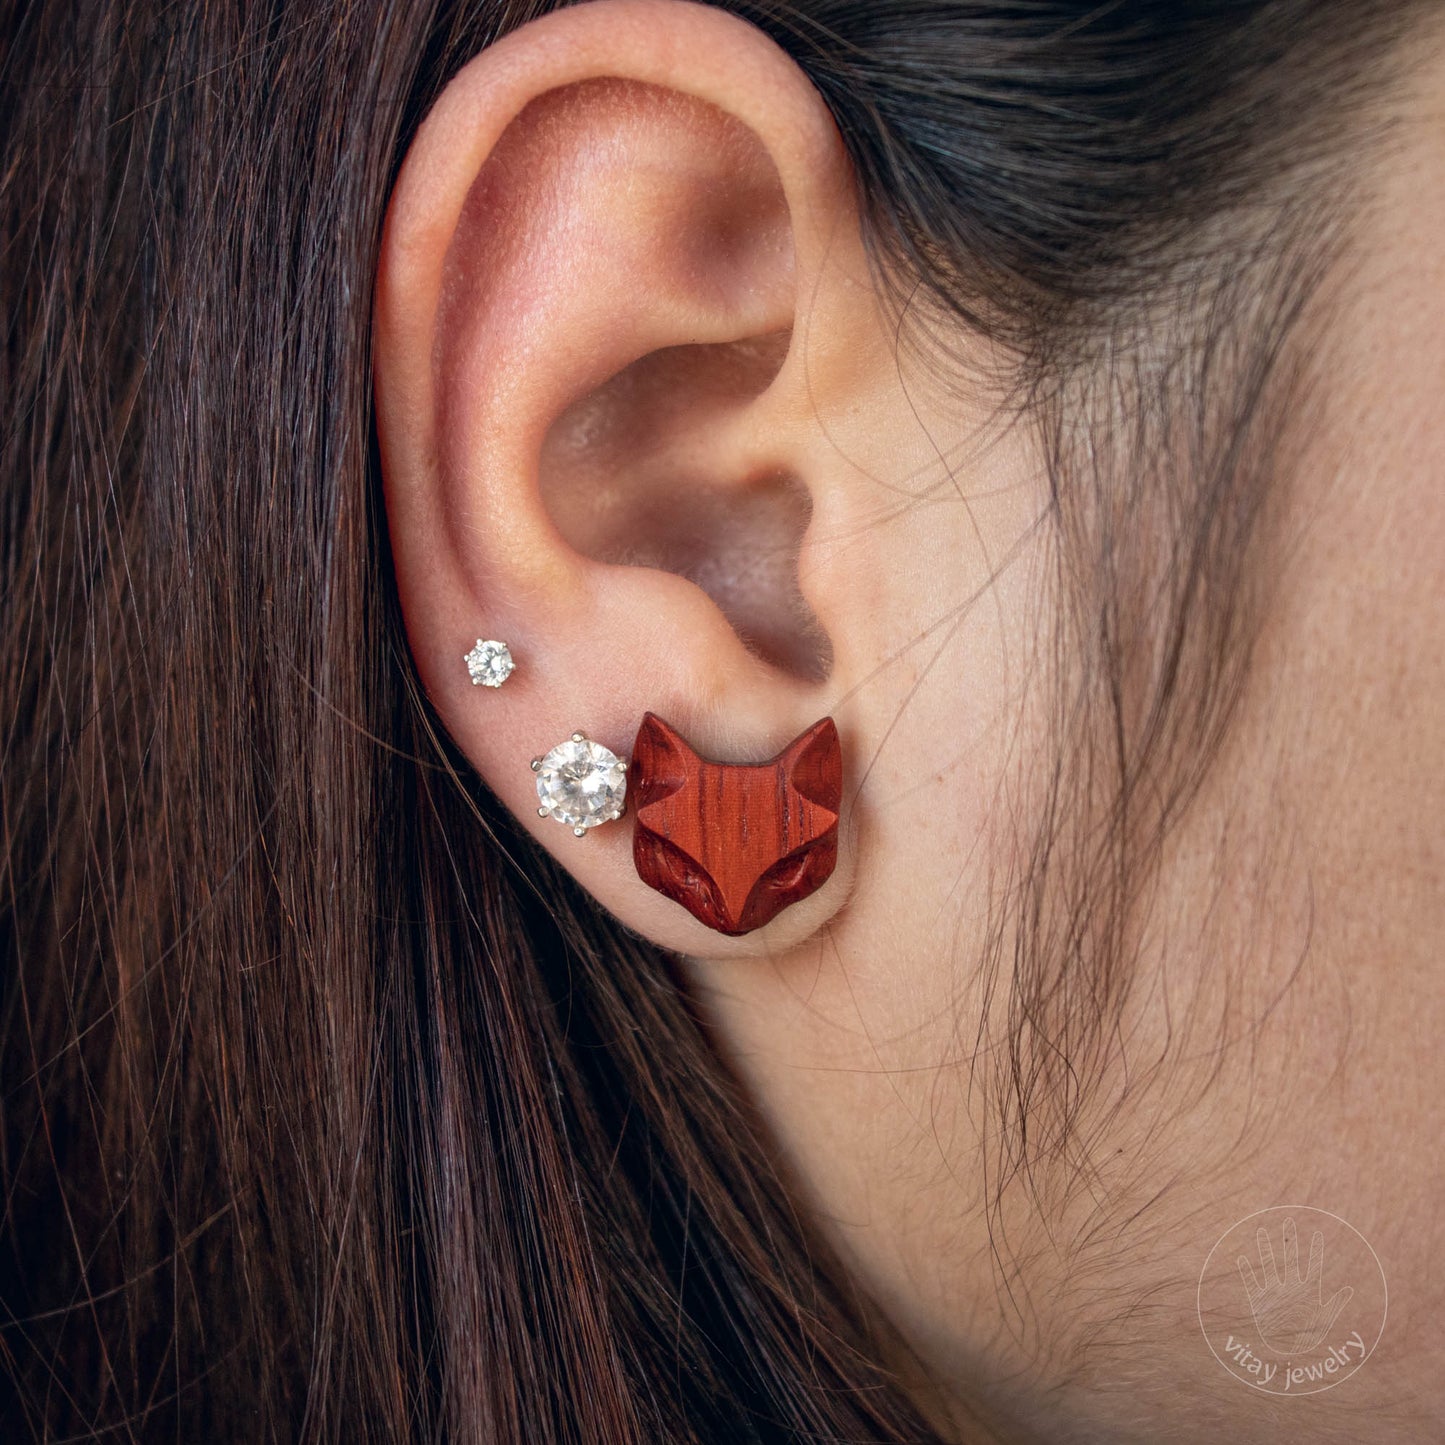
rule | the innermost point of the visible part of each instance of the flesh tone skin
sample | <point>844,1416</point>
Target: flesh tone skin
<point>678,184</point>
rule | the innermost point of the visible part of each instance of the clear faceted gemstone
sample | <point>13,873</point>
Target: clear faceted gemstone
<point>582,784</point>
<point>490,663</point>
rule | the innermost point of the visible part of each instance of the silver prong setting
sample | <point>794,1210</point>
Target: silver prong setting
<point>580,783</point>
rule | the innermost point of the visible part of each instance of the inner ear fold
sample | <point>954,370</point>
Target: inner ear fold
<point>648,470</point>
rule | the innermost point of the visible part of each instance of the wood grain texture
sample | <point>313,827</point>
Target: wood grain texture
<point>735,843</point>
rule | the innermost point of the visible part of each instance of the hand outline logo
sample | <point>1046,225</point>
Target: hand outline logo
<point>1288,1311</point>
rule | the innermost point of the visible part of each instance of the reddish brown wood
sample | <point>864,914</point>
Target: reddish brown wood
<point>735,843</point>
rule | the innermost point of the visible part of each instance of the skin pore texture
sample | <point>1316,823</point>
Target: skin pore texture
<point>643,414</point>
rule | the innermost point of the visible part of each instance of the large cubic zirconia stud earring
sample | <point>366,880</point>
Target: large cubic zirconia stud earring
<point>490,663</point>
<point>580,783</point>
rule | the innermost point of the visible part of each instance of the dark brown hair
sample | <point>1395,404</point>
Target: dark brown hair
<point>331,1109</point>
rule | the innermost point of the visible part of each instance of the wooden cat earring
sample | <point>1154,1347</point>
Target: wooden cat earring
<point>735,843</point>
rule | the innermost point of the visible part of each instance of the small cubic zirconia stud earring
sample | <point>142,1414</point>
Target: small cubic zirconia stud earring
<point>580,783</point>
<point>490,663</point>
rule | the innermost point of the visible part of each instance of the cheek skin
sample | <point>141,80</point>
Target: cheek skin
<point>1282,1039</point>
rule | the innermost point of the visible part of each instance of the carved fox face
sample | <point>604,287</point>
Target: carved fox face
<point>735,843</point>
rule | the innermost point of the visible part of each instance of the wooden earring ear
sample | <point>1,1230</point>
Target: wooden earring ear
<point>735,843</point>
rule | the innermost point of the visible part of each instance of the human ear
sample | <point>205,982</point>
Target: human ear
<point>628,358</point>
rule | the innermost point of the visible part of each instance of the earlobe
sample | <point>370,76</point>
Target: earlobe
<point>589,400</point>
